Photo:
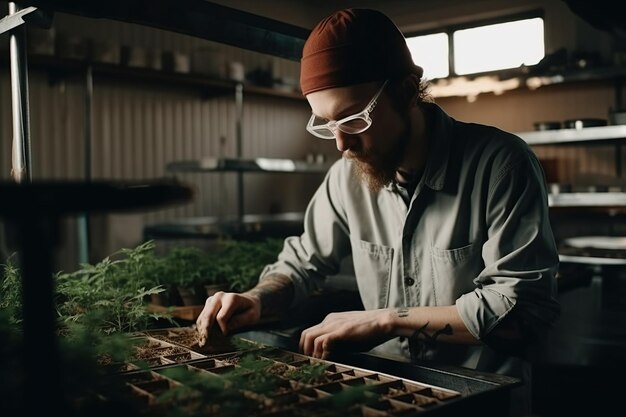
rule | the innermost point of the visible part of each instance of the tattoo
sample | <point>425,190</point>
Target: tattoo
<point>402,312</point>
<point>422,335</point>
<point>275,292</point>
<point>421,341</point>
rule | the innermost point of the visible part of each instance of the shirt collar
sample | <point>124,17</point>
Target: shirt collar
<point>438,131</point>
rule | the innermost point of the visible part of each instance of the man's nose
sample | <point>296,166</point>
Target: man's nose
<point>344,141</point>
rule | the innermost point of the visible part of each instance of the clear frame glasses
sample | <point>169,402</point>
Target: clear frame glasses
<point>354,124</point>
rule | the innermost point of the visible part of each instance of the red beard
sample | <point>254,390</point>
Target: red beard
<point>375,171</point>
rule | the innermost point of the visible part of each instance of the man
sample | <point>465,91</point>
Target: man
<point>446,222</point>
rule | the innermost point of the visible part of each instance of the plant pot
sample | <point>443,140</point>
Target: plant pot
<point>211,289</point>
<point>169,297</point>
<point>192,296</point>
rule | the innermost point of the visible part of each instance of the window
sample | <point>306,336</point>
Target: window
<point>431,53</point>
<point>480,48</point>
<point>499,46</point>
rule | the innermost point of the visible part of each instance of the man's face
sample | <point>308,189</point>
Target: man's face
<point>378,151</point>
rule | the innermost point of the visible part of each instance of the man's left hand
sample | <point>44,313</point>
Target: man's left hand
<point>353,330</point>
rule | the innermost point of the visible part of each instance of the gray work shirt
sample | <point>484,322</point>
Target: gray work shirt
<point>475,234</point>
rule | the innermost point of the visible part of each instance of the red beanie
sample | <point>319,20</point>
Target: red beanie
<point>354,46</point>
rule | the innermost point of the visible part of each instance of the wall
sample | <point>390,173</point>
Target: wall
<point>140,126</point>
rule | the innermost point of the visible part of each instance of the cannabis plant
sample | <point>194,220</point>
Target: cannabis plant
<point>11,291</point>
<point>240,263</point>
<point>113,290</point>
<point>185,267</point>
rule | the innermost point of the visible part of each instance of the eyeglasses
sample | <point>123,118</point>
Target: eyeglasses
<point>354,124</point>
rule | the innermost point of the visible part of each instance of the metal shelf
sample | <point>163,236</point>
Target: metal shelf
<point>608,199</point>
<point>250,225</point>
<point>591,260</point>
<point>574,136</point>
<point>59,68</point>
<point>269,165</point>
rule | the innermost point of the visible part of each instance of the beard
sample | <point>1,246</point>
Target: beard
<point>375,171</point>
<point>377,167</point>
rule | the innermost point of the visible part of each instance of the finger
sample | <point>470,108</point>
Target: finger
<point>308,337</point>
<point>324,345</point>
<point>301,341</point>
<point>229,307</point>
<point>202,323</point>
<point>207,317</point>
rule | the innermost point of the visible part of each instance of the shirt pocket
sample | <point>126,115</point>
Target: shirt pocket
<point>453,272</point>
<point>372,267</point>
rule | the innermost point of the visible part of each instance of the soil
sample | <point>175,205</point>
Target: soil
<point>188,337</point>
<point>149,351</point>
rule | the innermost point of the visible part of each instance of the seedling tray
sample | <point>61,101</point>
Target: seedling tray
<point>246,378</point>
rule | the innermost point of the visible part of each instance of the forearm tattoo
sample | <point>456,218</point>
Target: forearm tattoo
<point>275,293</point>
<point>422,335</point>
<point>403,312</point>
<point>421,341</point>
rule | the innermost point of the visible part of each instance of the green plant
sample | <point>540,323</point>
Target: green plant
<point>11,291</point>
<point>240,263</point>
<point>201,393</point>
<point>112,291</point>
<point>234,393</point>
<point>184,267</point>
<point>83,381</point>
<point>97,306</point>
<point>308,373</point>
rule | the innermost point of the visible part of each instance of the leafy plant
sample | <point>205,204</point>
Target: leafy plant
<point>240,263</point>
<point>112,291</point>
<point>229,394</point>
<point>83,379</point>
<point>308,373</point>
<point>203,393</point>
<point>11,291</point>
<point>184,267</point>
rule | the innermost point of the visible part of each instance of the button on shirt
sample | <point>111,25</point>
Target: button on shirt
<point>475,233</point>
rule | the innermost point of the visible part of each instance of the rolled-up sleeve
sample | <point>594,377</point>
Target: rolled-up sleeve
<point>519,254</point>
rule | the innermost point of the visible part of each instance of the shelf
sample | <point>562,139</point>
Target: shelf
<point>59,68</point>
<point>607,199</point>
<point>574,136</point>
<point>498,82</point>
<point>269,165</point>
<point>250,226</point>
<point>591,260</point>
<point>578,75</point>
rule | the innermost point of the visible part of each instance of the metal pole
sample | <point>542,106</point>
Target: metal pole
<point>239,149</point>
<point>21,170</point>
<point>37,237</point>
<point>83,219</point>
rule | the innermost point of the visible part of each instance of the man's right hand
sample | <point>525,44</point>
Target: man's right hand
<point>230,310</point>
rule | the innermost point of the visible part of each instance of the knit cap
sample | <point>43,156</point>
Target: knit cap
<point>354,46</point>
